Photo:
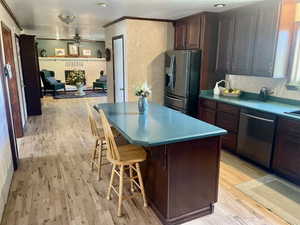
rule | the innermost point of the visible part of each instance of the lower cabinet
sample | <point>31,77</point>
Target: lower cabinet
<point>222,115</point>
<point>286,153</point>
<point>286,158</point>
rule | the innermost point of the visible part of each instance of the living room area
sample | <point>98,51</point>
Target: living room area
<point>72,68</point>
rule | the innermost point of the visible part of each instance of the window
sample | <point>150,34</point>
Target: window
<point>295,61</point>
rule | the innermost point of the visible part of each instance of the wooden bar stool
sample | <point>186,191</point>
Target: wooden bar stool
<point>122,158</point>
<point>99,152</point>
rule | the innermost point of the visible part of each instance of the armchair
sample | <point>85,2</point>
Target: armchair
<point>100,83</point>
<point>50,83</point>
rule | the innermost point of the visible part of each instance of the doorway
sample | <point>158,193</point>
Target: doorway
<point>118,68</point>
<point>21,81</point>
<point>12,138</point>
<point>12,81</point>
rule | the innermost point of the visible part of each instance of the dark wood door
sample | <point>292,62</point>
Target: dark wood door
<point>12,82</point>
<point>244,39</point>
<point>180,35</point>
<point>286,159</point>
<point>193,32</point>
<point>6,108</point>
<point>266,38</point>
<point>225,42</point>
<point>31,76</point>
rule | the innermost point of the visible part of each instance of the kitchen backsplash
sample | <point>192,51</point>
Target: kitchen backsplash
<point>254,84</point>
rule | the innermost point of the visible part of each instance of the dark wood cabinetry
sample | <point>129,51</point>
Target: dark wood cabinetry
<point>244,40</point>
<point>249,37</point>
<point>200,32</point>
<point>265,40</point>
<point>222,115</point>
<point>168,186</point>
<point>31,77</point>
<point>225,43</point>
<point>286,159</point>
<point>180,35</point>
<point>193,32</point>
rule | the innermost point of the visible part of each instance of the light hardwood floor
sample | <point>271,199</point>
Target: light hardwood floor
<point>55,185</point>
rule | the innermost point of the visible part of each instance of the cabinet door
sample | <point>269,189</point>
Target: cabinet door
<point>207,115</point>
<point>244,39</point>
<point>180,35</point>
<point>225,42</point>
<point>286,159</point>
<point>193,32</point>
<point>266,38</point>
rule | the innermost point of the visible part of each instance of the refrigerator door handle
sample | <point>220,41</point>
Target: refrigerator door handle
<point>174,72</point>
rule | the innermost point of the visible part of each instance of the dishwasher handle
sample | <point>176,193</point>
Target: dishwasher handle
<point>258,118</point>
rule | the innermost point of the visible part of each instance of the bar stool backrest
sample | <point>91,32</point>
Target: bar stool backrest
<point>93,123</point>
<point>112,153</point>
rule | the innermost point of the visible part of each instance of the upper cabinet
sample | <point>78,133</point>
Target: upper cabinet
<point>251,41</point>
<point>266,39</point>
<point>193,32</point>
<point>180,34</point>
<point>225,43</point>
<point>200,32</point>
<point>244,40</point>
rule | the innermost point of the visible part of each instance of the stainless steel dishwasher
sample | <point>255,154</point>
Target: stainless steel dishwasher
<point>256,135</point>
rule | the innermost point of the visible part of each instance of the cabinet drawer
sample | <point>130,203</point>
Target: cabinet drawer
<point>229,142</point>
<point>208,103</point>
<point>207,115</point>
<point>227,121</point>
<point>228,108</point>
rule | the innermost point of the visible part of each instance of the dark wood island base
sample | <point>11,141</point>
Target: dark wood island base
<point>182,179</point>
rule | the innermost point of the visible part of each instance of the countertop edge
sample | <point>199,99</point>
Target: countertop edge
<point>250,107</point>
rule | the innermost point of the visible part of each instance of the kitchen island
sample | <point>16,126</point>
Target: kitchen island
<point>183,157</point>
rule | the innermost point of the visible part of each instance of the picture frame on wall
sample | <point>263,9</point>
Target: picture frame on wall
<point>73,49</point>
<point>86,52</point>
<point>60,52</point>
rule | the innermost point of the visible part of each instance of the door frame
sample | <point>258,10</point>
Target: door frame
<point>113,61</point>
<point>12,137</point>
<point>16,111</point>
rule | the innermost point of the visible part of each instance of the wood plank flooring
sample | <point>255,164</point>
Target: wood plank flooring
<point>55,185</point>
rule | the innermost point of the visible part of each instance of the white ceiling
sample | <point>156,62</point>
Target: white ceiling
<point>40,17</point>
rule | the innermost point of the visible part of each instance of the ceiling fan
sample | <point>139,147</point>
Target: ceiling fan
<point>67,19</point>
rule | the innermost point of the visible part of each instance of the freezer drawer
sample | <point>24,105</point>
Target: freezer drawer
<point>175,102</point>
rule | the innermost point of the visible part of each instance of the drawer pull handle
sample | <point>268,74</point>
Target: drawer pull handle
<point>258,118</point>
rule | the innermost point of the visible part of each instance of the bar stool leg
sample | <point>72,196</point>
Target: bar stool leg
<point>131,175</point>
<point>94,153</point>
<point>111,181</point>
<point>100,160</point>
<point>121,190</point>
<point>141,184</point>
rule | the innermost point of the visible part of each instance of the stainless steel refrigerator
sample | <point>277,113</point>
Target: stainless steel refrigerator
<point>182,80</point>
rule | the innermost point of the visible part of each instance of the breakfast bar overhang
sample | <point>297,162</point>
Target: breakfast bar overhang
<point>183,157</point>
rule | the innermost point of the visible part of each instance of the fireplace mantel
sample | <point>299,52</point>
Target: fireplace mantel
<point>91,66</point>
<point>70,59</point>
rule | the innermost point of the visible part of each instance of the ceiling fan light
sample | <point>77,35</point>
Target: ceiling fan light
<point>219,5</point>
<point>67,19</point>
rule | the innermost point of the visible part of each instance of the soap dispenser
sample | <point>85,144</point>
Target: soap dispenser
<point>217,90</point>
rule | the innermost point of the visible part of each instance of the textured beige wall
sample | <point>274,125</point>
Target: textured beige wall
<point>254,84</point>
<point>6,167</point>
<point>145,44</point>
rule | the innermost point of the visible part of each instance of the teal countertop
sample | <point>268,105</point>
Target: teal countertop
<point>278,106</point>
<point>160,125</point>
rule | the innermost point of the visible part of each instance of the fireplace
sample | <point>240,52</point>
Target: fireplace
<point>67,76</point>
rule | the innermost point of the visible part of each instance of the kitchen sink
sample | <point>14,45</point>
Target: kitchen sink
<point>295,113</point>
